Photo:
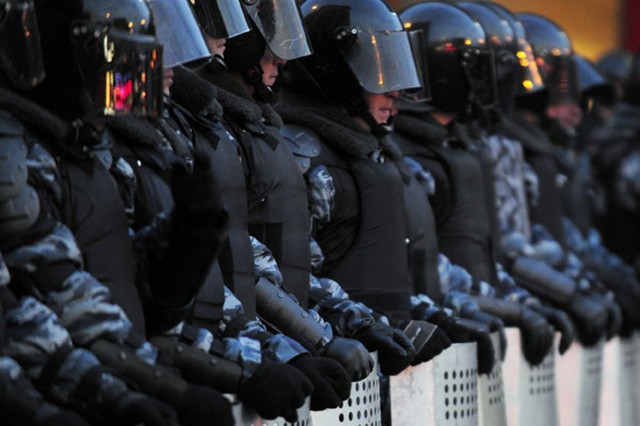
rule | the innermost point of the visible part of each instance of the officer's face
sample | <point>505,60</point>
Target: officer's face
<point>381,106</point>
<point>568,115</point>
<point>270,64</point>
<point>167,80</point>
<point>216,45</point>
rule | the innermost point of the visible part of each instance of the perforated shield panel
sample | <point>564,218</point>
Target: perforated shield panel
<point>361,409</point>
<point>491,391</point>
<point>579,373</point>
<point>530,392</point>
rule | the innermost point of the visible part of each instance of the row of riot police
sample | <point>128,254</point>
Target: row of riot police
<point>214,197</point>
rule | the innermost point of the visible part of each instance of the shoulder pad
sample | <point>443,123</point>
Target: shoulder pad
<point>303,142</point>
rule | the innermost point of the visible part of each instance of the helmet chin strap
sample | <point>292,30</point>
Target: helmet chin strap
<point>262,92</point>
<point>360,108</point>
<point>377,129</point>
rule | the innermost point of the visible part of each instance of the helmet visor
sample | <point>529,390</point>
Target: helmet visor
<point>561,77</point>
<point>221,18</point>
<point>416,39</point>
<point>131,79</point>
<point>20,44</point>
<point>179,33</point>
<point>531,80</point>
<point>479,66</point>
<point>382,61</point>
<point>280,24</point>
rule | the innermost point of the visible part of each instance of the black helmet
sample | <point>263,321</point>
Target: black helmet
<point>179,33</point>
<point>358,45</point>
<point>276,24</point>
<point>220,18</point>
<point>503,42</point>
<point>615,66</point>
<point>20,53</point>
<point>554,56</point>
<point>101,58</point>
<point>461,65</point>
<point>530,78</point>
<point>592,84</point>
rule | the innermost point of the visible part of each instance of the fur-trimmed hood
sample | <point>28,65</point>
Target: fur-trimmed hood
<point>235,101</point>
<point>34,116</point>
<point>420,127</point>
<point>195,94</point>
<point>334,125</point>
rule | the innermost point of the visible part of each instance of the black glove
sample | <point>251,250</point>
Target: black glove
<point>438,342</point>
<point>395,351</point>
<point>537,336</point>
<point>461,330</point>
<point>560,322</point>
<point>133,408</point>
<point>589,318</point>
<point>494,324</point>
<point>202,406</point>
<point>275,390</point>
<point>351,354</point>
<point>628,301</point>
<point>51,415</point>
<point>614,313</point>
<point>331,382</point>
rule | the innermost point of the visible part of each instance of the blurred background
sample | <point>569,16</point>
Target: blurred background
<point>594,26</point>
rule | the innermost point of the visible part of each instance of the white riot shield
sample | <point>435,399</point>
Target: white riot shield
<point>246,416</point>
<point>578,379</point>
<point>449,396</point>
<point>618,395</point>
<point>530,392</point>
<point>362,407</point>
<point>492,407</point>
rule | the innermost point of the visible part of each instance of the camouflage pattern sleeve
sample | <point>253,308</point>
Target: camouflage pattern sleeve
<point>265,266</point>
<point>33,335</point>
<point>82,303</point>
<point>332,303</point>
<point>423,175</point>
<point>321,194</point>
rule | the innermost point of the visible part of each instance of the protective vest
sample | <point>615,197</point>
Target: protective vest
<point>422,237</point>
<point>278,212</point>
<point>374,269</point>
<point>464,235</point>
<point>551,179</point>
<point>236,255</point>
<point>95,213</point>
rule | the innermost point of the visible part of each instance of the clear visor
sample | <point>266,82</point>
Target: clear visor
<point>416,39</point>
<point>228,14</point>
<point>179,33</point>
<point>20,44</point>
<point>531,80</point>
<point>481,72</point>
<point>382,61</point>
<point>280,24</point>
<point>131,79</point>
<point>561,78</point>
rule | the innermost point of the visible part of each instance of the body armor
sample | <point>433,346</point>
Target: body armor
<point>374,269</point>
<point>422,240</point>
<point>464,231</point>
<point>278,213</point>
